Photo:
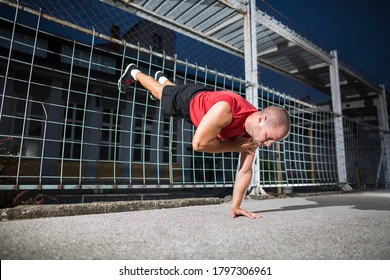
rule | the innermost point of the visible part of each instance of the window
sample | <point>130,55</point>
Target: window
<point>157,43</point>
<point>34,126</point>
<point>142,138</point>
<point>167,140</point>
<point>73,131</point>
<point>108,134</point>
<point>157,47</point>
<point>81,58</point>
<point>23,43</point>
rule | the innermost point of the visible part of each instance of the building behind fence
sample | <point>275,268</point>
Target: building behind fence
<point>64,125</point>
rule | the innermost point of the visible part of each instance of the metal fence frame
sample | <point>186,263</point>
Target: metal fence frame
<point>58,121</point>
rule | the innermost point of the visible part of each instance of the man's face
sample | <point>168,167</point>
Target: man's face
<point>264,135</point>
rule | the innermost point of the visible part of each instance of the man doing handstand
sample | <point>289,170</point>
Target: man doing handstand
<point>225,122</point>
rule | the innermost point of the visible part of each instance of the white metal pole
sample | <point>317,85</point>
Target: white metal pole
<point>250,47</point>
<point>383,117</point>
<point>251,53</point>
<point>338,122</point>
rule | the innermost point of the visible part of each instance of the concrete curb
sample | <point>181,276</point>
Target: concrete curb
<point>44,211</point>
<point>60,210</point>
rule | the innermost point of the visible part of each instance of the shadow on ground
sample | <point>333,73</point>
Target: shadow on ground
<point>358,201</point>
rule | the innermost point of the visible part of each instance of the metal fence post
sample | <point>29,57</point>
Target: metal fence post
<point>9,61</point>
<point>338,122</point>
<point>250,40</point>
<point>25,116</point>
<point>383,117</point>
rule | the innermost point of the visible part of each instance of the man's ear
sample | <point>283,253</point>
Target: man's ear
<point>262,118</point>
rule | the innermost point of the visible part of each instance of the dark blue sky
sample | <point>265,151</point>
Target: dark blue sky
<point>359,30</point>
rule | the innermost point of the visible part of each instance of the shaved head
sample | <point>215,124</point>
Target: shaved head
<point>278,117</point>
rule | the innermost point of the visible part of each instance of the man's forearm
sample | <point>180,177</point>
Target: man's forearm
<point>243,180</point>
<point>215,146</point>
<point>240,187</point>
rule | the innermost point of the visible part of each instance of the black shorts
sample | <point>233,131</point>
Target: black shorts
<point>175,100</point>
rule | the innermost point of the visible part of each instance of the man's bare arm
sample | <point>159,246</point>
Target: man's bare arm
<point>206,140</point>
<point>243,180</point>
<point>206,135</point>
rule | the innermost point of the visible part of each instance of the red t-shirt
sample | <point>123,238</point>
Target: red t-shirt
<point>240,107</point>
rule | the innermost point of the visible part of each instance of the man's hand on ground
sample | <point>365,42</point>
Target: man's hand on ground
<point>236,212</point>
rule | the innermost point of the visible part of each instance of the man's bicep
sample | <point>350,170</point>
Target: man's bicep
<point>212,123</point>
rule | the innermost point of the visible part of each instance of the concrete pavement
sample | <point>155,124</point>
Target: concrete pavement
<point>337,226</point>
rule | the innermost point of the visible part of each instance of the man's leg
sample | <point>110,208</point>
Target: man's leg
<point>133,73</point>
<point>160,77</point>
<point>150,84</point>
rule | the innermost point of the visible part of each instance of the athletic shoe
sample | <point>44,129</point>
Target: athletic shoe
<point>126,80</point>
<point>158,75</point>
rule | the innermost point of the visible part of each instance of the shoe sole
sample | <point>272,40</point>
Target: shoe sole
<point>123,75</point>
